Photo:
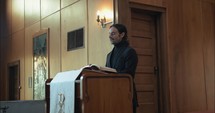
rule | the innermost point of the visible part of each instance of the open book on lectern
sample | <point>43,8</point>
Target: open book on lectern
<point>101,68</point>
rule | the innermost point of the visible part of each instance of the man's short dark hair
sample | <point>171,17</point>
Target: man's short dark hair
<point>121,28</point>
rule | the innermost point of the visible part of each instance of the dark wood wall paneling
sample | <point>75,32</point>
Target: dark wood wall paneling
<point>208,29</point>
<point>191,49</point>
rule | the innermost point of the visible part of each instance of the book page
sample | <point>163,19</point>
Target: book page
<point>97,67</point>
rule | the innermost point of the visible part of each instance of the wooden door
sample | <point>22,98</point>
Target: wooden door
<point>143,39</point>
<point>14,81</point>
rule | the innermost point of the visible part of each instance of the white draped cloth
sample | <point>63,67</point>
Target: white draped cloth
<point>62,92</point>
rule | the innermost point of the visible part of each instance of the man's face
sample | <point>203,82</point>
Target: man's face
<point>115,36</point>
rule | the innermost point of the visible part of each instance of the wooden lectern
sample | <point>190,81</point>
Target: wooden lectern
<point>100,92</point>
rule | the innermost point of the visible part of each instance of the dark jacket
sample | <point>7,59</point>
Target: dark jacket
<point>124,59</point>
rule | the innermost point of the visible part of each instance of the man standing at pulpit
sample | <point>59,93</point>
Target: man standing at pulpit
<point>123,58</point>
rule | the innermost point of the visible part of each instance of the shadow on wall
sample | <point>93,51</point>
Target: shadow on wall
<point>4,30</point>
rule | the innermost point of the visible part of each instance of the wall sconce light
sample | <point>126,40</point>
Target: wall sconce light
<point>102,19</point>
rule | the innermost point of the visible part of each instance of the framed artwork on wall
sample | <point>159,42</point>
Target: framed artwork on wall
<point>40,63</point>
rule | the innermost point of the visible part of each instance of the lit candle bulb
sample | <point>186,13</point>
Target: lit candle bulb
<point>98,14</point>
